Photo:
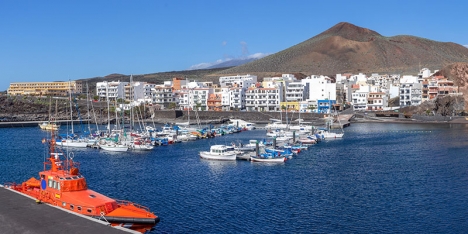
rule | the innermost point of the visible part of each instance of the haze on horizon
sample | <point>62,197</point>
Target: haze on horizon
<point>56,40</point>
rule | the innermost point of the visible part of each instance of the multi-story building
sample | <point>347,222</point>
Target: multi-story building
<point>297,91</point>
<point>56,89</point>
<point>410,94</point>
<point>111,90</point>
<point>324,105</point>
<point>214,102</point>
<point>162,95</point>
<point>194,99</point>
<point>376,101</point>
<point>178,83</point>
<point>263,99</point>
<point>139,92</point>
<point>320,88</point>
<point>241,81</point>
<point>446,87</point>
<point>359,99</point>
<point>237,98</point>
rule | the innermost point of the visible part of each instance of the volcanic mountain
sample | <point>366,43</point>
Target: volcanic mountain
<point>346,48</point>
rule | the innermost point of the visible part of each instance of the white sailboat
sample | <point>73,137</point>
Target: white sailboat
<point>72,140</point>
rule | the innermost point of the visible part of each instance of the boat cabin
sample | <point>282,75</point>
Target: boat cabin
<point>218,149</point>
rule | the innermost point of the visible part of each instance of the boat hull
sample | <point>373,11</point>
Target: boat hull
<point>225,157</point>
<point>113,148</point>
<point>273,159</point>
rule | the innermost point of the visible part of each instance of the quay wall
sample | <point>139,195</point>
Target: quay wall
<point>222,116</point>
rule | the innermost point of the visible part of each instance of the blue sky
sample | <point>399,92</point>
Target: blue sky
<point>69,40</point>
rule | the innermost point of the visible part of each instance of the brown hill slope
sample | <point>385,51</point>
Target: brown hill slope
<point>458,72</point>
<point>348,48</point>
<point>158,78</point>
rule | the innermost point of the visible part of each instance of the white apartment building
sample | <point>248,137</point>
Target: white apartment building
<point>111,90</point>
<point>359,97</point>
<point>320,88</point>
<point>297,91</point>
<point>263,99</point>
<point>194,99</point>
<point>410,91</point>
<point>139,92</point>
<point>237,98</point>
<point>241,81</point>
<point>225,99</point>
<point>410,94</point>
<point>162,95</point>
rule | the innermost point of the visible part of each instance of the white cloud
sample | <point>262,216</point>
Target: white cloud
<point>465,46</point>
<point>206,65</point>
<point>257,55</point>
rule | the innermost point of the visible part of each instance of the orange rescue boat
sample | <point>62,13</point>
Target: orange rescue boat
<point>61,184</point>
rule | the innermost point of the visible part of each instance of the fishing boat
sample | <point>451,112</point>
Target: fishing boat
<point>49,126</point>
<point>141,144</point>
<point>218,152</point>
<point>113,146</point>
<point>268,157</point>
<point>62,185</point>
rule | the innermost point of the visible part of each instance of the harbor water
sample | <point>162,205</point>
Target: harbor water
<point>380,178</point>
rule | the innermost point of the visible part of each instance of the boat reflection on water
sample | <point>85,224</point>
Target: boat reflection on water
<point>217,166</point>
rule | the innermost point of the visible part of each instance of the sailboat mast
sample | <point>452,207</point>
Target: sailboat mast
<point>50,109</point>
<point>87,106</point>
<point>71,108</point>
<point>132,99</point>
<point>108,109</point>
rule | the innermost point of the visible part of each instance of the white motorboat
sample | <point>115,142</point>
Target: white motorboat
<point>112,146</point>
<point>218,152</point>
<point>276,159</point>
<point>251,146</point>
<point>243,124</point>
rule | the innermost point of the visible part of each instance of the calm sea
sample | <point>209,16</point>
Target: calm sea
<point>380,178</point>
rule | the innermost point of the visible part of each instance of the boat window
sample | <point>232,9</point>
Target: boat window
<point>92,196</point>
<point>89,210</point>
<point>64,203</point>
<point>78,208</point>
<point>72,207</point>
<point>51,183</point>
<point>75,177</point>
<point>61,178</point>
<point>68,178</point>
<point>58,186</point>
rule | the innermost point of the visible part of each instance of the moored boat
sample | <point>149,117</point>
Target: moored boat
<point>268,157</point>
<point>62,185</point>
<point>218,152</point>
<point>49,126</point>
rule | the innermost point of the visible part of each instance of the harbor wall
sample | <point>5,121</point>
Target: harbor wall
<point>221,116</point>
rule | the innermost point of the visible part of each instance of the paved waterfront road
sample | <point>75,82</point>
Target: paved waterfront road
<point>20,214</point>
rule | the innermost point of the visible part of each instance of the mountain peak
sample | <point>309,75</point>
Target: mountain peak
<point>350,31</point>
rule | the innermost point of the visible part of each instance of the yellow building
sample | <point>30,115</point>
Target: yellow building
<point>290,106</point>
<point>55,89</point>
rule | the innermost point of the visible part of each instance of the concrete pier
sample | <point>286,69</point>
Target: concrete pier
<point>21,214</point>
